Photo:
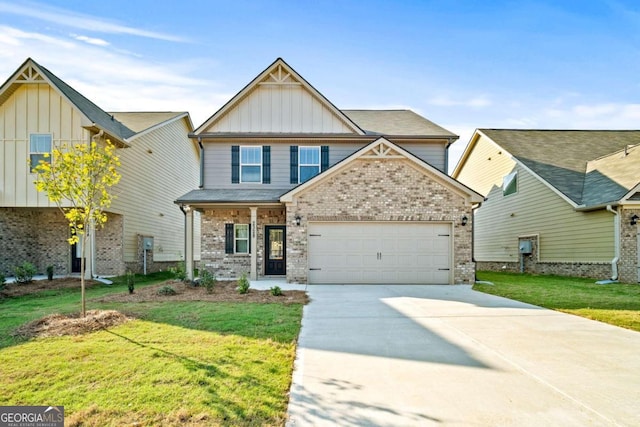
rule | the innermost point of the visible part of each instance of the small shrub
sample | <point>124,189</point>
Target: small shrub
<point>50,272</point>
<point>131,281</point>
<point>166,290</point>
<point>24,273</point>
<point>179,271</point>
<point>276,291</point>
<point>3,281</point>
<point>243,284</point>
<point>208,280</point>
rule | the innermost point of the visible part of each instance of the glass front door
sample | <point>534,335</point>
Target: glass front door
<point>275,250</point>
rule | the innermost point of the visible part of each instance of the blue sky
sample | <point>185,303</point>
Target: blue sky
<point>464,64</point>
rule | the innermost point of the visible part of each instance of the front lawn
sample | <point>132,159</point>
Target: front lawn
<point>616,304</point>
<point>186,363</point>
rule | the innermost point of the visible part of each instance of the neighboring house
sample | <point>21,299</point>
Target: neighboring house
<point>572,194</point>
<point>38,112</point>
<point>292,186</point>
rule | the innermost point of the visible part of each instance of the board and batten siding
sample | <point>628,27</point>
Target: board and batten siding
<point>159,167</point>
<point>280,108</point>
<point>217,159</point>
<point>32,108</point>
<point>565,235</point>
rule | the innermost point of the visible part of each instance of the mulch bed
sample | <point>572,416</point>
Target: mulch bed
<point>57,325</point>
<point>19,289</point>
<point>223,291</point>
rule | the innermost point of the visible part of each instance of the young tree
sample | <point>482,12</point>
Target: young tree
<point>77,180</point>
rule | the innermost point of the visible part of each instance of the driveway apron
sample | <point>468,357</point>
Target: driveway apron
<point>449,356</point>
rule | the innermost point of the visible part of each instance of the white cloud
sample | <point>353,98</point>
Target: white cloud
<point>114,80</point>
<point>81,21</point>
<point>608,115</point>
<point>90,40</point>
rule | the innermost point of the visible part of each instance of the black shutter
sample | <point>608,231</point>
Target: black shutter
<point>235,164</point>
<point>228,239</point>
<point>324,158</point>
<point>249,238</point>
<point>266,164</point>
<point>294,164</point>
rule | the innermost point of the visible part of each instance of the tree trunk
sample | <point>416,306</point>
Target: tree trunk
<point>82,268</point>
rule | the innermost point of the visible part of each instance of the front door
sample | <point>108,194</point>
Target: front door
<point>275,250</point>
<point>76,256</point>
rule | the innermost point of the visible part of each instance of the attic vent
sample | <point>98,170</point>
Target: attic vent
<point>30,75</point>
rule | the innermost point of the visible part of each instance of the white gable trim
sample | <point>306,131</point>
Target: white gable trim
<point>382,148</point>
<point>279,73</point>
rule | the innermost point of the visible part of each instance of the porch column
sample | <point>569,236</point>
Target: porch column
<point>254,240</point>
<point>188,242</point>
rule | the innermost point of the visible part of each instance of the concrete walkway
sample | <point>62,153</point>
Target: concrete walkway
<point>449,356</point>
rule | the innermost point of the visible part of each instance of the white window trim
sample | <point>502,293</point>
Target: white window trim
<point>250,164</point>
<point>506,181</point>
<point>300,164</point>
<point>32,167</point>
<point>236,239</point>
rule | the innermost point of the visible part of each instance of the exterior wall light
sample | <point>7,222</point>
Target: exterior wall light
<point>634,219</point>
<point>464,220</point>
<point>298,219</point>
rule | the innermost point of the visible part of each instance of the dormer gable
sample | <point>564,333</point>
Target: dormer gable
<point>279,101</point>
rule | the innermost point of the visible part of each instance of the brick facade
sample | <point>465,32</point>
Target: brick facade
<point>40,236</point>
<point>628,263</point>
<point>379,190</point>
<point>213,256</point>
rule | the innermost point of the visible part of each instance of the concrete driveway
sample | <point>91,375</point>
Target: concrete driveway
<point>446,355</point>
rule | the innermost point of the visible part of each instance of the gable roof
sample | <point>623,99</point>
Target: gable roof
<point>397,123</point>
<point>588,167</point>
<point>278,73</point>
<point>382,148</point>
<point>32,72</point>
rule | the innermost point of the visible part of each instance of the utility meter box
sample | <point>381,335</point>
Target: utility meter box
<point>147,243</point>
<point>525,247</point>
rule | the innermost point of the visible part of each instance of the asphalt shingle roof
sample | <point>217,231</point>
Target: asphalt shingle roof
<point>396,122</point>
<point>585,165</point>
<point>233,195</point>
<point>97,115</point>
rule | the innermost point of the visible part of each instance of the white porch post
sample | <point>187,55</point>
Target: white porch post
<point>254,248</point>
<point>188,242</point>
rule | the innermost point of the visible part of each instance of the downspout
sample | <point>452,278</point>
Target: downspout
<point>201,163</point>
<point>616,243</point>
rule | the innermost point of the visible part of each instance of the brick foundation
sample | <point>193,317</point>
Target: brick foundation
<point>597,271</point>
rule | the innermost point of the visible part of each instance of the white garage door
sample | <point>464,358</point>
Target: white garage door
<point>379,252</point>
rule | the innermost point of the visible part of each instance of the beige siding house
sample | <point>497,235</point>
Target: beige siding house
<point>39,112</point>
<point>294,187</point>
<point>570,194</point>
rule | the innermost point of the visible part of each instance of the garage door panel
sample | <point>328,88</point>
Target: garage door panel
<point>390,252</point>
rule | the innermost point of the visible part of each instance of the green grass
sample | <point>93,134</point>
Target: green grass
<point>616,304</point>
<point>180,363</point>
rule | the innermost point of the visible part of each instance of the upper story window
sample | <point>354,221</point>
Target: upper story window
<point>510,184</point>
<point>308,163</point>
<point>39,148</point>
<point>250,164</point>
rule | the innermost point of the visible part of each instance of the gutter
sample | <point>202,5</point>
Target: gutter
<point>616,228</point>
